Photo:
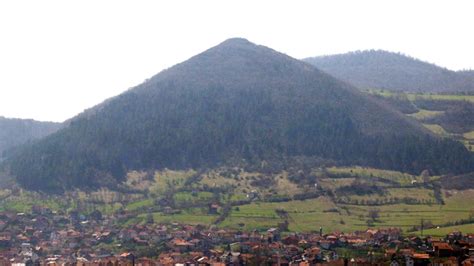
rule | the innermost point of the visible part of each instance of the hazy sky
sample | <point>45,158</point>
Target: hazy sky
<point>58,58</point>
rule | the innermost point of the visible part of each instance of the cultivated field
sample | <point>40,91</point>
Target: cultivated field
<point>333,200</point>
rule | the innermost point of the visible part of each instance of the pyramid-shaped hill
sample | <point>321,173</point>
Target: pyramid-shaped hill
<point>234,102</point>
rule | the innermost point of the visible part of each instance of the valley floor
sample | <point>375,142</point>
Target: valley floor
<point>315,215</point>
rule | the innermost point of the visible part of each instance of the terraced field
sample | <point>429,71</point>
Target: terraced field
<point>309,215</point>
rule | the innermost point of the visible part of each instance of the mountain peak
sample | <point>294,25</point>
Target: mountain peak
<point>236,41</point>
<point>237,46</point>
<point>234,61</point>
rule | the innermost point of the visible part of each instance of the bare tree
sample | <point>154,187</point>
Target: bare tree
<point>374,214</point>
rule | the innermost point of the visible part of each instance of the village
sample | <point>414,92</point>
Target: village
<point>45,237</point>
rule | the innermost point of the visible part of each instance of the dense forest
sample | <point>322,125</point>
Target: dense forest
<point>14,132</point>
<point>232,103</point>
<point>375,69</point>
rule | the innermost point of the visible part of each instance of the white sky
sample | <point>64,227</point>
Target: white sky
<point>58,58</point>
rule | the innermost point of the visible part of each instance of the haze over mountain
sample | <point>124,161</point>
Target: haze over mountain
<point>14,132</point>
<point>467,73</point>
<point>234,102</point>
<point>377,69</point>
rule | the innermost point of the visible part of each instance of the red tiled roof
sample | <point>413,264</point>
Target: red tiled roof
<point>442,245</point>
<point>421,256</point>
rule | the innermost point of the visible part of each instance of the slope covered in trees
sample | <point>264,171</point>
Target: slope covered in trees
<point>14,132</point>
<point>234,102</point>
<point>377,69</point>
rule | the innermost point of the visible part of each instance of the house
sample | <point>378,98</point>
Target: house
<point>168,210</point>
<point>313,254</point>
<point>290,240</point>
<point>396,263</point>
<point>214,208</point>
<point>180,245</point>
<point>442,249</point>
<point>421,259</point>
<point>273,234</point>
<point>5,239</point>
<point>468,262</point>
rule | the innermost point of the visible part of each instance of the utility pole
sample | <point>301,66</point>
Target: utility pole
<point>422,222</point>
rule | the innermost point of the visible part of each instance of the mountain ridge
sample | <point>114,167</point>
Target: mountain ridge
<point>379,69</point>
<point>15,131</point>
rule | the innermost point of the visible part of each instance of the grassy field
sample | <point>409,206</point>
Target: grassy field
<point>302,215</point>
<point>245,182</point>
<point>425,114</point>
<point>414,96</point>
<point>427,96</point>
<point>415,193</point>
<point>437,129</point>
<point>139,204</point>
<point>309,215</point>
<point>418,194</point>
<point>24,201</point>
<point>189,216</point>
<point>334,183</point>
<point>406,216</point>
<point>443,231</point>
<point>169,180</point>
<point>193,197</point>
<point>469,135</point>
<point>365,172</point>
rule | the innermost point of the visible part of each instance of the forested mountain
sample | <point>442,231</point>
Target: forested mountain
<point>14,132</point>
<point>376,69</point>
<point>234,102</point>
<point>468,74</point>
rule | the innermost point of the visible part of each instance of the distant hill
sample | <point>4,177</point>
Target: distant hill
<point>236,102</point>
<point>376,69</point>
<point>14,132</point>
<point>469,74</point>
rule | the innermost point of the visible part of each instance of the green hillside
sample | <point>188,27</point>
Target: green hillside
<point>393,71</point>
<point>235,104</point>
